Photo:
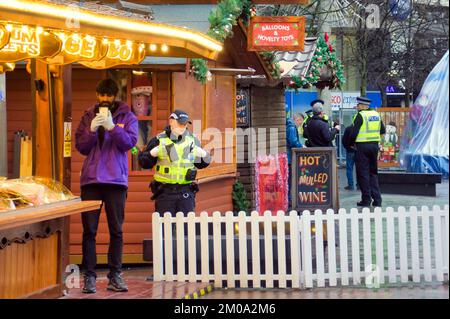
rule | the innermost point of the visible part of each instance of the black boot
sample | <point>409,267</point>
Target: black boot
<point>363,204</point>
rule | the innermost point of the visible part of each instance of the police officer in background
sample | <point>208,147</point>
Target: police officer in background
<point>318,132</point>
<point>366,134</point>
<point>177,155</point>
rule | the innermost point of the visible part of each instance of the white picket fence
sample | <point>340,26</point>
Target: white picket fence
<point>314,249</point>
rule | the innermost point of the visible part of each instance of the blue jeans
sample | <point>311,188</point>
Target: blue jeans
<point>350,161</point>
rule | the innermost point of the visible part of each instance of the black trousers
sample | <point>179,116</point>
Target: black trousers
<point>174,202</point>
<point>113,197</point>
<point>367,171</point>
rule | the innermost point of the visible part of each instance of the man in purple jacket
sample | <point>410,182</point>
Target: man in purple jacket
<point>107,131</point>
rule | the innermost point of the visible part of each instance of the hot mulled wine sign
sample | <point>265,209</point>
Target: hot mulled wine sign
<point>276,34</point>
<point>314,182</point>
<point>243,107</point>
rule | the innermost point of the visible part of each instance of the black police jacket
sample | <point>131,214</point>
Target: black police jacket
<point>318,133</point>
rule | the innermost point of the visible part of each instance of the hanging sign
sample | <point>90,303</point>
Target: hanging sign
<point>314,182</point>
<point>4,36</point>
<point>276,34</point>
<point>243,107</point>
<point>119,53</point>
<point>67,139</point>
<point>29,42</point>
<point>76,47</point>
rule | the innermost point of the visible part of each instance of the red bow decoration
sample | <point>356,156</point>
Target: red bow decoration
<point>330,47</point>
<point>327,37</point>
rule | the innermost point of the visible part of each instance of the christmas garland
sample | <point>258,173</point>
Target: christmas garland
<point>221,20</point>
<point>324,56</point>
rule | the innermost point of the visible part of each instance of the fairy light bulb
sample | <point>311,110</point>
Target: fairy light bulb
<point>164,48</point>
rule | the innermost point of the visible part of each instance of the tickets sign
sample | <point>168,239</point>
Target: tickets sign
<point>276,34</point>
<point>29,42</point>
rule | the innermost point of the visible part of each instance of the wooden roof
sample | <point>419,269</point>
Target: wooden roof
<point>114,24</point>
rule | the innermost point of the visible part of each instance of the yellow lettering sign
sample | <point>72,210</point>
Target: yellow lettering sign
<point>119,53</point>
<point>309,160</point>
<point>29,42</point>
<point>76,48</point>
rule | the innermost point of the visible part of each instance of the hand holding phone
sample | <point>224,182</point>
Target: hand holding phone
<point>103,110</point>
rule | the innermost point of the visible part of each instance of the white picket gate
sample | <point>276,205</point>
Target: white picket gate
<point>314,249</point>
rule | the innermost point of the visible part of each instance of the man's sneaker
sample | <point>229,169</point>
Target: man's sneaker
<point>362,204</point>
<point>116,283</point>
<point>89,285</point>
<point>349,188</point>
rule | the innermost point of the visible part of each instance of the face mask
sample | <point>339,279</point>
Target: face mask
<point>178,131</point>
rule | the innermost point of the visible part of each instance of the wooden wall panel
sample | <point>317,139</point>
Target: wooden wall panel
<point>28,267</point>
<point>188,95</point>
<point>18,108</point>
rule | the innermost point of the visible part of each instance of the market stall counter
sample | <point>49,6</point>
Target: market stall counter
<point>34,238</point>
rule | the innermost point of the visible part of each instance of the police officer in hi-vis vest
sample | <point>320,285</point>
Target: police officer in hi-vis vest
<point>366,134</point>
<point>176,155</point>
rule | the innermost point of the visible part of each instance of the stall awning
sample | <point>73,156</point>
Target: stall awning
<point>103,29</point>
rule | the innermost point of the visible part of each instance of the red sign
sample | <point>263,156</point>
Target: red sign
<point>276,34</point>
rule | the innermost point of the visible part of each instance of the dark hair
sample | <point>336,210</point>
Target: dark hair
<point>108,87</point>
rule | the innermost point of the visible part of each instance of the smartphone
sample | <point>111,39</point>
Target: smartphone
<point>103,110</point>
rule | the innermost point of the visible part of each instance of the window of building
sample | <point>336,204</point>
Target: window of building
<point>136,89</point>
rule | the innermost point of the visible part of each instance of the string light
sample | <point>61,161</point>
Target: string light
<point>9,27</point>
<point>153,47</point>
<point>164,48</point>
<point>89,18</point>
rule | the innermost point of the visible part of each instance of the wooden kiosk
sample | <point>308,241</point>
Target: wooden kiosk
<point>34,242</point>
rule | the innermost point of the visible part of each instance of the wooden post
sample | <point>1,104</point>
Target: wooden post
<point>62,90</point>
<point>42,146</point>
<point>52,108</point>
<point>3,128</point>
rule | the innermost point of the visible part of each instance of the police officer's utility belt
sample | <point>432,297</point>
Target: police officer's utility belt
<point>175,188</point>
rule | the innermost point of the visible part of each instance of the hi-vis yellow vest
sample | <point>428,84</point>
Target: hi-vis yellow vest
<point>370,128</point>
<point>183,158</point>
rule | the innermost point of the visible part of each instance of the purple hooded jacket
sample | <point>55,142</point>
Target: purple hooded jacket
<point>108,165</point>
